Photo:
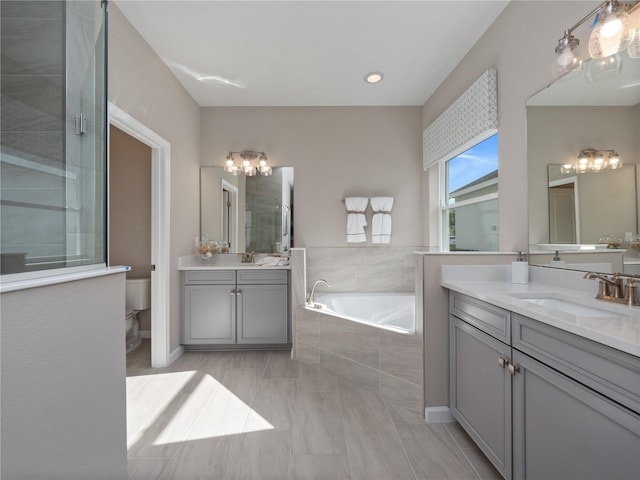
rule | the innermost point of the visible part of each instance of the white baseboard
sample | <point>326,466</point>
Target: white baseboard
<point>173,356</point>
<point>145,333</point>
<point>438,415</point>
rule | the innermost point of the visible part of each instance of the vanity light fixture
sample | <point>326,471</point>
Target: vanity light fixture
<point>247,167</point>
<point>592,160</point>
<point>612,33</point>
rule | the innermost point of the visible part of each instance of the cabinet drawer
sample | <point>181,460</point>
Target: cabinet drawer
<point>609,371</point>
<point>490,319</point>
<point>257,277</point>
<point>210,277</point>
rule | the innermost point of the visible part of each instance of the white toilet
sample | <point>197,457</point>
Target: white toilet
<point>138,298</point>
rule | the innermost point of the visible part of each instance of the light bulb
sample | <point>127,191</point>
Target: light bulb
<point>611,34</point>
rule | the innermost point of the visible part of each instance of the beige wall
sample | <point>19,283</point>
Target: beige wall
<point>336,152</point>
<point>130,208</point>
<point>129,203</point>
<point>142,85</point>
<point>520,45</point>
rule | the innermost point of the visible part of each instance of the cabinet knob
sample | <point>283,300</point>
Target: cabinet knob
<point>502,362</point>
<point>513,369</point>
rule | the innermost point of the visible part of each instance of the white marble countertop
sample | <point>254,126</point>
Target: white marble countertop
<point>620,329</point>
<point>229,261</point>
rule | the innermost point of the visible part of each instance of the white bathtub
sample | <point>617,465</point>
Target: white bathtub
<point>387,309</point>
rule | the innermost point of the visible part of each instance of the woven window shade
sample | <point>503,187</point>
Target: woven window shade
<point>473,114</point>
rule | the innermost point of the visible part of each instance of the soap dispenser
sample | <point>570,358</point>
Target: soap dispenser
<point>556,262</point>
<point>520,270</point>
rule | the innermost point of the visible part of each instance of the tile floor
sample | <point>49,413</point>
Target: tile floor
<point>261,415</point>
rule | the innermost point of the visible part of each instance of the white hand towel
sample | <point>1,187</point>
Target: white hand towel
<point>356,221</point>
<point>381,223</point>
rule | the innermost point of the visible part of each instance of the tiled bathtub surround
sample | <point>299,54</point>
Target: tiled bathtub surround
<point>384,362</point>
<point>362,269</point>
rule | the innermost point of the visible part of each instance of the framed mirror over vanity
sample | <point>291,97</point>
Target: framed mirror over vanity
<point>250,213</point>
<point>588,215</point>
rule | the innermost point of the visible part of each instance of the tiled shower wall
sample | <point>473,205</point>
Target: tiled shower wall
<point>32,125</point>
<point>362,269</point>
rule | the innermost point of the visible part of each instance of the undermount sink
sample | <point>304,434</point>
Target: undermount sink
<point>559,304</point>
<point>568,307</point>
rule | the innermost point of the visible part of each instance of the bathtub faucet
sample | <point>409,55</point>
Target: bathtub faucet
<point>311,299</point>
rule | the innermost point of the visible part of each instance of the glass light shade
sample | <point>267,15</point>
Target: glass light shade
<point>565,61</point>
<point>266,171</point>
<point>612,34</point>
<point>602,69</point>
<point>614,162</point>
<point>567,168</point>
<point>634,46</point>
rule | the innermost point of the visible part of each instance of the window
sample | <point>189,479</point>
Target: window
<point>53,162</point>
<point>469,204</point>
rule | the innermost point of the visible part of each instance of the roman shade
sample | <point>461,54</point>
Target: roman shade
<point>474,114</point>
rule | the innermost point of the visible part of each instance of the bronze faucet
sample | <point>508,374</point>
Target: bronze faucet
<point>610,288</point>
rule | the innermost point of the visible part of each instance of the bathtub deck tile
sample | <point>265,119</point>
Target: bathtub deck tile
<point>307,328</point>
<point>330,257</point>
<point>357,342</point>
<point>307,352</point>
<point>381,279</point>
<point>401,356</point>
<point>341,279</point>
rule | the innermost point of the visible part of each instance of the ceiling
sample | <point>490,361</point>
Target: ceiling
<point>310,53</point>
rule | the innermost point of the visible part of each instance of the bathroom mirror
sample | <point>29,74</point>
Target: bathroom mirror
<point>252,214</point>
<point>571,213</point>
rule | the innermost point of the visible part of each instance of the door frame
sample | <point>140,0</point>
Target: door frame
<point>160,230</point>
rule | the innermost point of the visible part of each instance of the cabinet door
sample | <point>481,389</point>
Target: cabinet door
<point>562,429</point>
<point>210,312</point>
<point>480,391</point>
<point>262,314</point>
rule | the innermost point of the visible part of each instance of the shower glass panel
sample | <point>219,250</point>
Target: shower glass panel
<point>52,136</point>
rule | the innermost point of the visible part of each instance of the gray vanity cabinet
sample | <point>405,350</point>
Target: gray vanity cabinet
<point>235,308</point>
<point>209,307</point>
<point>540,402</point>
<point>564,430</point>
<point>480,390</point>
<point>262,307</point>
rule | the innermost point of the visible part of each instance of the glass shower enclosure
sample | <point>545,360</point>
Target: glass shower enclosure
<point>53,136</point>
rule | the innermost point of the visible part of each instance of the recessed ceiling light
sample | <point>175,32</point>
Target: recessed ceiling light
<point>374,77</point>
